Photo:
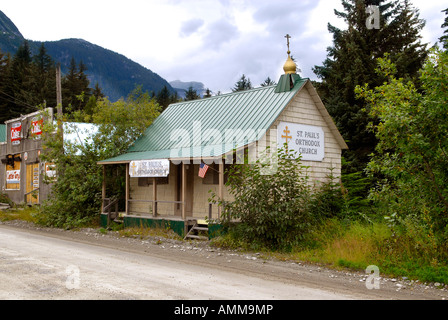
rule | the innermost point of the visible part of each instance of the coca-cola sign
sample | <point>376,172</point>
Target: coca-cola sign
<point>16,128</point>
<point>36,127</point>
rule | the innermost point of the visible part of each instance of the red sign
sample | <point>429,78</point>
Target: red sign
<point>15,132</point>
<point>36,127</point>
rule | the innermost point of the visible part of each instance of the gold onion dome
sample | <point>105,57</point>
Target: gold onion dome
<point>290,66</point>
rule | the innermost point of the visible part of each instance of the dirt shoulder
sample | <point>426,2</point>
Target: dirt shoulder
<point>250,263</point>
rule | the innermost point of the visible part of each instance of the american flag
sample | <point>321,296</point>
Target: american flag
<point>203,170</point>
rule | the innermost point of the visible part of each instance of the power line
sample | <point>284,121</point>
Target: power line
<point>17,101</point>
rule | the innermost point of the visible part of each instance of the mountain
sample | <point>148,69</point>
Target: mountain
<point>115,74</point>
<point>10,36</point>
<point>182,87</point>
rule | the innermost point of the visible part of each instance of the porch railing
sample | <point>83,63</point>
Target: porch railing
<point>154,204</point>
<point>108,203</point>
<point>25,198</point>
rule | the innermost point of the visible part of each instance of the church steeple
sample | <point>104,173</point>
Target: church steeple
<point>290,66</point>
<point>288,80</point>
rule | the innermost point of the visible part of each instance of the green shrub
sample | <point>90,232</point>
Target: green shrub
<point>272,208</point>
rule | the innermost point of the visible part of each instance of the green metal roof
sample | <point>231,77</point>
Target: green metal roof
<point>286,82</point>
<point>199,128</point>
<point>2,133</point>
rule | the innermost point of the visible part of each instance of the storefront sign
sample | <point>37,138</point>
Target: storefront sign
<point>50,170</point>
<point>307,141</point>
<point>149,168</point>
<point>13,176</point>
<point>16,128</point>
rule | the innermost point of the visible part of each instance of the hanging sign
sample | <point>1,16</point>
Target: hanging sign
<point>149,168</point>
<point>16,128</point>
<point>13,176</point>
<point>307,141</point>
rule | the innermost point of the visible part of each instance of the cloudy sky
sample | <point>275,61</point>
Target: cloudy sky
<point>211,41</point>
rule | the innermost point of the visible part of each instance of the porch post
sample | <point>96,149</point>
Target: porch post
<point>103,191</point>
<point>154,196</point>
<point>184,190</point>
<point>127,188</point>
<point>221,185</point>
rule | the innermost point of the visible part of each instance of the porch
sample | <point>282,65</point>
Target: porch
<point>179,201</point>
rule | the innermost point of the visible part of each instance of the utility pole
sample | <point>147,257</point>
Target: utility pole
<point>59,98</point>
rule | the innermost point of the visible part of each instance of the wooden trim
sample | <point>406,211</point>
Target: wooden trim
<point>113,162</point>
<point>127,188</point>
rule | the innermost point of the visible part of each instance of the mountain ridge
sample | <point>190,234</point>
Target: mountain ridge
<point>182,87</point>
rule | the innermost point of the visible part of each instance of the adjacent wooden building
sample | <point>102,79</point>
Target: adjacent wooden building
<point>21,168</point>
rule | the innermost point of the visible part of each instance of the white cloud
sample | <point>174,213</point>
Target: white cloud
<point>191,26</point>
<point>212,41</point>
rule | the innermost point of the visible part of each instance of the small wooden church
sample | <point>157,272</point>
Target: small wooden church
<point>184,154</point>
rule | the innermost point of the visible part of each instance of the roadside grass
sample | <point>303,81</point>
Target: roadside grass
<point>24,213</point>
<point>355,245</point>
<point>143,232</point>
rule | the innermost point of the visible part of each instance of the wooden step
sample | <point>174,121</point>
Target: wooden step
<point>196,228</point>
<point>196,237</point>
<point>201,228</point>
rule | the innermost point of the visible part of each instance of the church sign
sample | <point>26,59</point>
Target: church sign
<point>307,141</point>
<point>149,168</point>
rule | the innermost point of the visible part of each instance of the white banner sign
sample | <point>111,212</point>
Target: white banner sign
<point>149,168</point>
<point>13,176</point>
<point>308,141</point>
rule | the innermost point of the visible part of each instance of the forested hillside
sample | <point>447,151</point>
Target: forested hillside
<point>115,74</point>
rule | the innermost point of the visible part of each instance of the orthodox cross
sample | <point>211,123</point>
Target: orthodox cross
<point>287,40</point>
<point>287,136</point>
<point>133,166</point>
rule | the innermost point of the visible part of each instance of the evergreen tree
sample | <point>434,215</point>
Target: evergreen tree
<point>444,39</point>
<point>43,78</point>
<point>191,94</point>
<point>242,84</point>
<point>83,81</point>
<point>268,82</point>
<point>97,92</point>
<point>17,88</point>
<point>163,97</point>
<point>351,61</point>
<point>5,63</point>
<point>174,98</point>
<point>208,93</point>
<point>75,88</point>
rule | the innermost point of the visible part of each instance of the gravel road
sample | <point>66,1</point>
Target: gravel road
<point>52,264</point>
